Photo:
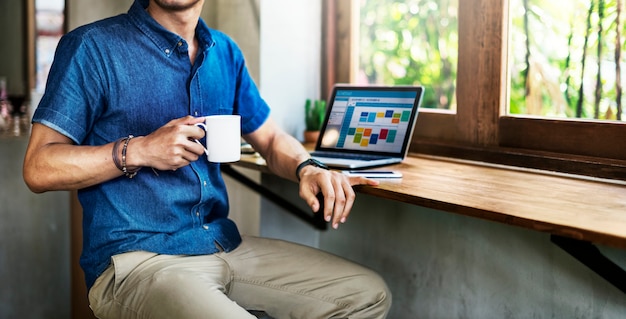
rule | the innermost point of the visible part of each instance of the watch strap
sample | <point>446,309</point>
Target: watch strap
<point>310,161</point>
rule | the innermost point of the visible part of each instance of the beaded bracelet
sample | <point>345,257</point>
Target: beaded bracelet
<point>127,172</point>
<point>122,166</point>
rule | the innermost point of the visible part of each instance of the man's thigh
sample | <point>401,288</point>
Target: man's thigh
<point>288,280</point>
<point>146,285</point>
<point>285,280</point>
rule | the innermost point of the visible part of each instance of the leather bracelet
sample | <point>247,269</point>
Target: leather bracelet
<point>127,172</point>
<point>116,159</point>
<point>310,161</point>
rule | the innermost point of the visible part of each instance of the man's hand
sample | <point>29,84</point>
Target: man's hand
<point>283,153</point>
<point>170,147</point>
<point>336,189</point>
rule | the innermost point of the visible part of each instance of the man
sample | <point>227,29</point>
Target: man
<point>124,94</point>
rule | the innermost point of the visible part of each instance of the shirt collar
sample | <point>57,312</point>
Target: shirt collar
<point>164,39</point>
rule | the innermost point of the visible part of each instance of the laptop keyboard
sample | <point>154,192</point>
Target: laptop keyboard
<point>361,157</point>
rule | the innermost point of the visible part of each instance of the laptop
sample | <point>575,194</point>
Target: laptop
<point>368,126</point>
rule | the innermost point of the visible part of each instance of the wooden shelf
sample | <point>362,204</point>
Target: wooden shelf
<point>564,205</point>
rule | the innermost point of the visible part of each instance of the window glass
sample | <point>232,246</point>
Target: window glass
<point>407,42</point>
<point>566,58</point>
<point>49,22</point>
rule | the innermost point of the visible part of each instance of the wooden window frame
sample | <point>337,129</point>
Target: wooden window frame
<point>478,130</point>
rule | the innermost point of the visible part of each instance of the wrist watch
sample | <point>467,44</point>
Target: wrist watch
<point>310,161</point>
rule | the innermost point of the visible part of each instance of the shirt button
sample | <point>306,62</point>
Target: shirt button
<point>180,43</point>
<point>206,227</point>
<point>167,51</point>
<point>198,214</point>
<point>205,183</point>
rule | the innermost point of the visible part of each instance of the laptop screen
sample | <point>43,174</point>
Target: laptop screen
<point>375,120</point>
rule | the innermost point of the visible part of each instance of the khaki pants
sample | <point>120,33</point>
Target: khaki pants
<point>283,279</point>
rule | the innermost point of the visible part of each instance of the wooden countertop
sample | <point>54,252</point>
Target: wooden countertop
<point>566,205</point>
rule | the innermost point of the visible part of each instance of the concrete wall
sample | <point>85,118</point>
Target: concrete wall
<point>34,243</point>
<point>81,12</point>
<point>442,265</point>
<point>240,20</point>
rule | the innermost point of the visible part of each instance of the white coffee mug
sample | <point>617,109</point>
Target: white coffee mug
<point>223,138</point>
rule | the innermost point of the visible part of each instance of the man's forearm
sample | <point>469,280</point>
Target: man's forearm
<point>52,162</point>
<point>286,155</point>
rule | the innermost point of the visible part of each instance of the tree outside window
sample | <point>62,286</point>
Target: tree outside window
<point>411,42</point>
<point>567,59</point>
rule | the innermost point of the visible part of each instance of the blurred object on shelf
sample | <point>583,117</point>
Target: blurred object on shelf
<point>15,116</point>
<point>18,103</point>
<point>5,107</point>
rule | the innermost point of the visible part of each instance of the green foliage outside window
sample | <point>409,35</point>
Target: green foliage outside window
<point>411,42</point>
<point>564,56</point>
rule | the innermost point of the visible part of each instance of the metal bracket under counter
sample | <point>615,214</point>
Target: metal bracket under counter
<point>588,254</point>
<point>315,220</point>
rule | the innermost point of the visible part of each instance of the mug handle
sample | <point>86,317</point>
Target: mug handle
<point>203,126</point>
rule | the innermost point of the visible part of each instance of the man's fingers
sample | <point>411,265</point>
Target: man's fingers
<point>349,202</point>
<point>338,202</point>
<point>310,195</point>
<point>336,191</point>
<point>329,203</point>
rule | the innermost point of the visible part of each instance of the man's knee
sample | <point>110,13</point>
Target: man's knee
<point>376,297</point>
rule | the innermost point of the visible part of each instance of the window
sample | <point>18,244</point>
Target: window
<point>481,129</point>
<point>566,59</point>
<point>409,42</point>
<point>49,27</point>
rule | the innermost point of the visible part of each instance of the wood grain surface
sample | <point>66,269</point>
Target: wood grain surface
<point>567,205</point>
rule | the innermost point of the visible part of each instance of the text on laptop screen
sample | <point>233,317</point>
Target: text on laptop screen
<point>369,120</point>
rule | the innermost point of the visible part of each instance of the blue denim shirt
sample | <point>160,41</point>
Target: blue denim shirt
<point>128,75</point>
